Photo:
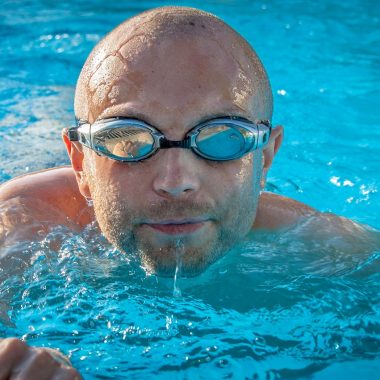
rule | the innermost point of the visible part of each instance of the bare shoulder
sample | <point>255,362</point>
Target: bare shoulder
<point>276,211</point>
<point>35,201</point>
<point>47,184</point>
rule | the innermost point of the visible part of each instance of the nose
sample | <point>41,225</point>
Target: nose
<point>177,173</point>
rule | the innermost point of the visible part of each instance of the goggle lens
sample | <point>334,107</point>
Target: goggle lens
<point>125,142</point>
<point>223,141</point>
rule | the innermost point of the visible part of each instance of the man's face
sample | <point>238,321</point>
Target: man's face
<point>174,206</point>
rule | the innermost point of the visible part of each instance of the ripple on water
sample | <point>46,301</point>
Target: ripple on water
<point>269,307</point>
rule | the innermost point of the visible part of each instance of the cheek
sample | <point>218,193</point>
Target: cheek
<point>241,188</point>
<point>235,176</point>
<point>115,180</point>
<point>245,172</point>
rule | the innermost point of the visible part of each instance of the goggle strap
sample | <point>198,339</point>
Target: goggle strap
<point>73,134</point>
<point>264,132</point>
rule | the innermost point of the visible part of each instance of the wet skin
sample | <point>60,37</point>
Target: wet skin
<point>175,195</point>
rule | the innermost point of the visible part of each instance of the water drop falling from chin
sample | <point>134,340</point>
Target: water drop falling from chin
<point>180,249</point>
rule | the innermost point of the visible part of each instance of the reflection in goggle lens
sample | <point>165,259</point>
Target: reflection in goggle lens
<point>129,142</point>
<point>222,141</point>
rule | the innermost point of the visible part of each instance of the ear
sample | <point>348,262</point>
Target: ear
<point>270,151</point>
<point>76,155</point>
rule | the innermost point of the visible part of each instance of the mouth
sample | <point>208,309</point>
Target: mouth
<point>178,227</point>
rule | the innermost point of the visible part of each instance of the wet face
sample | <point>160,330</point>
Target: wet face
<point>174,206</point>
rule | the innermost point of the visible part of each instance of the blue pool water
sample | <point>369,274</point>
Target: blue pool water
<point>277,307</point>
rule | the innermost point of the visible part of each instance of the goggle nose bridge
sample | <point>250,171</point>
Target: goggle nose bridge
<point>167,144</point>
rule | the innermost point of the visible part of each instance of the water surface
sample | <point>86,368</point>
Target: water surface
<point>279,306</point>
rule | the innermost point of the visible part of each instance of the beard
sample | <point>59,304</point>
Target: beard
<point>122,223</point>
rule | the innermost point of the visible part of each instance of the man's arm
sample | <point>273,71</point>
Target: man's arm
<point>30,207</point>
<point>22,220</point>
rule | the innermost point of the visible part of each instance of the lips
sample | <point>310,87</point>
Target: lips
<point>178,227</point>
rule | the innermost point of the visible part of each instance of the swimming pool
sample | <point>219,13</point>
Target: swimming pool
<point>274,307</point>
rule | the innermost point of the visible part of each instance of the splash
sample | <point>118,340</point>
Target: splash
<point>180,249</point>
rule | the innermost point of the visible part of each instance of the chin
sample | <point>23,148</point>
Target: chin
<point>184,262</point>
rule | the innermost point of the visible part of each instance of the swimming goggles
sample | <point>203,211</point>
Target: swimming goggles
<point>130,140</point>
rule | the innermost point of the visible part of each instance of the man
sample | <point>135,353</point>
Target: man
<point>172,147</point>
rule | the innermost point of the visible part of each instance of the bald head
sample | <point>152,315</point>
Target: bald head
<point>179,47</point>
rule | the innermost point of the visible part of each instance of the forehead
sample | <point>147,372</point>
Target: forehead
<point>176,80</point>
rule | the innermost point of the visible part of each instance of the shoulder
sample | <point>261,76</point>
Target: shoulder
<point>42,183</point>
<point>50,195</point>
<point>276,211</point>
<point>334,232</point>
